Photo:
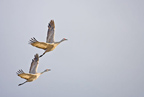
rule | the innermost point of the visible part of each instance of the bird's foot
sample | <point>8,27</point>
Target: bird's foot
<point>40,56</point>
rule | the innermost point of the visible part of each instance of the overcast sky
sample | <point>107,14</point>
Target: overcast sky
<point>103,57</point>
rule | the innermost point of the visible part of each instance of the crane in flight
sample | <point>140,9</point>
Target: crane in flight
<point>32,75</point>
<point>50,44</point>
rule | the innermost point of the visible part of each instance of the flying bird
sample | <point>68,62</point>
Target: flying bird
<point>32,75</point>
<point>50,44</point>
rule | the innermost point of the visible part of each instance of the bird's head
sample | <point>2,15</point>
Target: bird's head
<point>64,39</point>
<point>47,70</point>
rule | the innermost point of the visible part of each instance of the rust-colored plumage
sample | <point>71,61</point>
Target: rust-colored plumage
<point>49,45</point>
<point>32,75</point>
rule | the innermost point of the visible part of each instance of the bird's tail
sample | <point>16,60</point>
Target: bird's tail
<point>22,83</point>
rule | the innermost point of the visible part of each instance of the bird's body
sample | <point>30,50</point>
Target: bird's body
<point>49,45</point>
<point>32,75</point>
<point>45,46</point>
<point>29,77</point>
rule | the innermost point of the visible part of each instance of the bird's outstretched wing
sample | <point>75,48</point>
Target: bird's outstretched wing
<point>38,44</point>
<point>34,65</point>
<point>23,75</point>
<point>50,32</point>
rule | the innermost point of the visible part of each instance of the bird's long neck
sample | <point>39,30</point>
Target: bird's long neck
<point>42,72</point>
<point>59,41</point>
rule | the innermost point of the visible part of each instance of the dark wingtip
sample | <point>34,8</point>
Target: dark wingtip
<point>36,57</point>
<point>51,24</point>
<point>32,40</point>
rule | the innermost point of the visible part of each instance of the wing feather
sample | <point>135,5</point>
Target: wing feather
<point>50,32</point>
<point>38,44</point>
<point>34,64</point>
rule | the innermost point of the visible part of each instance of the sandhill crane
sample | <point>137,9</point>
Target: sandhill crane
<point>50,44</point>
<point>32,75</point>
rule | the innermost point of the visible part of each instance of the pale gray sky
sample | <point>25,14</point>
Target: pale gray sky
<point>103,57</point>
